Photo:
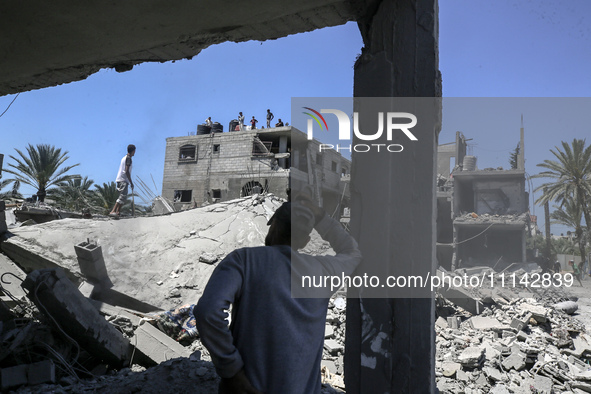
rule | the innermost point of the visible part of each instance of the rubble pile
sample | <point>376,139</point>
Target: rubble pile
<point>486,218</point>
<point>522,340</point>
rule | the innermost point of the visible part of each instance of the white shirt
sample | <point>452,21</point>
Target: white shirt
<point>122,176</point>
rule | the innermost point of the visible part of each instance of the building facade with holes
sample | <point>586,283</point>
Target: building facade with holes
<point>222,166</point>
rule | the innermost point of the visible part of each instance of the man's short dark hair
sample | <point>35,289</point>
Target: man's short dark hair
<point>293,222</point>
<point>130,148</point>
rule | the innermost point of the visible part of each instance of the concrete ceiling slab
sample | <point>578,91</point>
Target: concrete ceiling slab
<point>45,43</point>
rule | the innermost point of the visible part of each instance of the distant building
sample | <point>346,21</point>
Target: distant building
<point>218,166</point>
<point>482,214</point>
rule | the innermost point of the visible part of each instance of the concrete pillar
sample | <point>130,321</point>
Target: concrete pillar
<point>282,149</point>
<point>390,342</point>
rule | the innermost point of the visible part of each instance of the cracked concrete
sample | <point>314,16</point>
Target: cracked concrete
<point>142,252</point>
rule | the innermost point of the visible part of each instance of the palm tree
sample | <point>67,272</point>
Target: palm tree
<point>570,214</point>
<point>41,168</point>
<point>571,174</point>
<point>13,193</point>
<point>74,194</point>
<point>106,196</point>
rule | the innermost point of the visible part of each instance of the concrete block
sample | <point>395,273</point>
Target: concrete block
<point>13,376</point>
<point>486,323</point>
<point>332,346</point>
<point>86,289</point>
<point>543,384</point>
<point>463,299</point>
<point>156,346</point>
<point>41,372</point>
<point>441,322</point>
<point>92,264</point>
<point>515,361</point>
<point>330,365</point>
<point>518,324</point>
<point>454,322</point>
<point>472,356</point>
<point>328,331</point>
<point>538,312</point>
<point>53,293</point>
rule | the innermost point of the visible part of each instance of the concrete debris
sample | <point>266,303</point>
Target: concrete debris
<point>568,307</point>
<point>208,258</point>
<point>92,264</point>
<point>32,374</point>
<point>523,340</point>
<point>156,345</point>
<point>61,301</point>
<point>140,252</point>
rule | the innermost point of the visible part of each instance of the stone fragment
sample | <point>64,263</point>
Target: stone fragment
<point>441,322</point>
<point>454,322</point>
<point>330,365</point>
<point>208,258</point>
<point>516,361</point>
<point>332,346</point>
<point>543,384</point>
<point>494,374</point>
<point>518,324</point>
<point>568,307</point>
<point>538,312</point>
<point>499,389</point>
<point>449,368</point>
<point>486,323</point>
<point>471,357</point>
<point>328,331</point>
<point>462,376</point>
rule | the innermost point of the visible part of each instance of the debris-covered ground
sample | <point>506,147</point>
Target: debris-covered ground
<point>488,340</point>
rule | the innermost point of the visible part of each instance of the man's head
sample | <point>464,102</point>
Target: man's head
<point>290,225</point>
<point>131,149</point>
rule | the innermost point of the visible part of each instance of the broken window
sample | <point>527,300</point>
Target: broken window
<point>183,195</point>
<point>261,148</point>
<point>250,188</point>
<point>216,148</point>
<point>188,153</point>
<point>334,166</point>
<point>319,159</point>
<point>216,193</point>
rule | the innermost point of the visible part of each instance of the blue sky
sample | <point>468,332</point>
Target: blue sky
<point>487,49</point>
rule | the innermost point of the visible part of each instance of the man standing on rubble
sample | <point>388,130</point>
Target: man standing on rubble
<point>123,180</point>
<point>274,342</point>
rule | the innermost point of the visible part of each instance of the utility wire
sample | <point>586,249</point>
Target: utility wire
<point>9,104</point>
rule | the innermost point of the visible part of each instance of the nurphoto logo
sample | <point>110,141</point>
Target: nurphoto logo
<point>391,119</point>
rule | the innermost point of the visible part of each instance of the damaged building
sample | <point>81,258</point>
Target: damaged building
<point>482,215</point>
<point>215,166</point>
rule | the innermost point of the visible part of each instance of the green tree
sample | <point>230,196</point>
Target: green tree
<point>106,196</point>
<point>571,177</point>
<point>570,214</point>
<point>565,246</point>
<point>40,168</point>
<point>74,194</point>
<point>13,193</point>
<point>514,158</point>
